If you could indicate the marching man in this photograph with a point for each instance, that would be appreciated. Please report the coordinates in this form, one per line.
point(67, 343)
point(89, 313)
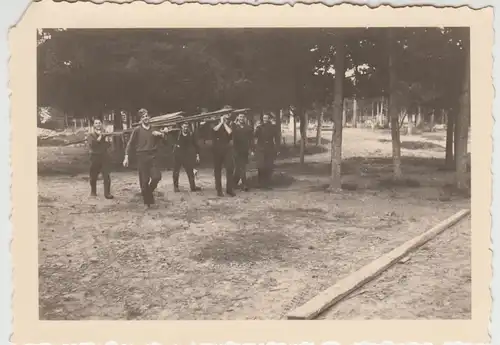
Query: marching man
point(268, 144)
point(144, 142)
point(186, 153)
point(222, 150)
point(243, 146)
point(99, 159)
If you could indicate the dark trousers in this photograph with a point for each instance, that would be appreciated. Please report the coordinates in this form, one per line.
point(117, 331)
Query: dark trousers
point(99, 164)
point(184, 160)
point(149, 175)
point(223, 159)
point(240, 168)
point(265, 165)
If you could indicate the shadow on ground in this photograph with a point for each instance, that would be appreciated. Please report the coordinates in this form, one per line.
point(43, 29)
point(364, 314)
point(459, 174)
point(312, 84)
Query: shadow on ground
point(244, 248)
point(377, 174)
point(278, 180)
point(367, 166)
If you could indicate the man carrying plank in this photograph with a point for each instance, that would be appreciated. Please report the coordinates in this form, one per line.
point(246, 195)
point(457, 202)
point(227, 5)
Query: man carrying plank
point(186, 153)
point(222, 153)
point(99, 159)
point(144, 142)
point(243, 145)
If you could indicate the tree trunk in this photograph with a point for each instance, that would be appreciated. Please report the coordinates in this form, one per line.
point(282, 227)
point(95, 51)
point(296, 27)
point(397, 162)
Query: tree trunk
point(411, 126)
point(379, 112)
point(344, 115)
point(303, 135)
point(462, 128)
point(393, 111)
point(354, 113)
point(294, 130)
point(450, 130)
point(456, 134)
point(318, 129)
point(419, 117)
point(433, 119)
point(117, 142)
point(279, 116)
point(130, 119)
point(117, 120)
point(338, 105)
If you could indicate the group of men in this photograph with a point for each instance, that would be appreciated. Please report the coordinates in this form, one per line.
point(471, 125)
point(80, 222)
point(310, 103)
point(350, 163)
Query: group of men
point(232, 145)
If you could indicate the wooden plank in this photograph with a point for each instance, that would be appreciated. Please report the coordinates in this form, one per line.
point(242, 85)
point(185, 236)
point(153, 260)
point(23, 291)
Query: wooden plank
point(163, 117)
point(174, 119)
point(344, 287)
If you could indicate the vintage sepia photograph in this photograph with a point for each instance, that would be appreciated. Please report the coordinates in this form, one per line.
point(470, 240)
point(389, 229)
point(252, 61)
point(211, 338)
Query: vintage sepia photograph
point(254, 173)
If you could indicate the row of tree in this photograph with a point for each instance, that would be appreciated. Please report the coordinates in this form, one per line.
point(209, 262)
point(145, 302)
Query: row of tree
point(85, 72)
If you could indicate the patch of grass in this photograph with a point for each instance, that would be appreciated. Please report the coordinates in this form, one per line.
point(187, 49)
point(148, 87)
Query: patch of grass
point(278, 180)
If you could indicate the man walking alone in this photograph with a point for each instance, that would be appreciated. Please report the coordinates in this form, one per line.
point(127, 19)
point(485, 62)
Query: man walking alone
point(144, 142)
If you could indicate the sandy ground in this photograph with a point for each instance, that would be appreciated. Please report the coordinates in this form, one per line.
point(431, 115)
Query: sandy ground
point(255, 256)
point(436, 282)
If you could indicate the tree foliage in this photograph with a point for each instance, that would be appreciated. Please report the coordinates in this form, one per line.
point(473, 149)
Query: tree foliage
point(267, 69)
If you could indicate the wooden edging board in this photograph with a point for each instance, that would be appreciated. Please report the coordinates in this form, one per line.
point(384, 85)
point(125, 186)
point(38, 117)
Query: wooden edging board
point(344, 287)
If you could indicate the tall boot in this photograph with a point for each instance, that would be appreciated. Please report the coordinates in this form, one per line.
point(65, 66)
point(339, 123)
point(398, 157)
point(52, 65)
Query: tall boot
point(192, 183)
point(229, 184)
point(148, 197)
point(107, 189)
point(175, 178)
point(218, 181)
point(93, 187)
point(151, 188)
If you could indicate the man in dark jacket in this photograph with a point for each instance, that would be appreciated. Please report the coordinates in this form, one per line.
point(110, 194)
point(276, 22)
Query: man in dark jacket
point(186, 154)
point(99, 159)
point(267, 148)
point(223, 157)
point(243, 146)
point(144, 141)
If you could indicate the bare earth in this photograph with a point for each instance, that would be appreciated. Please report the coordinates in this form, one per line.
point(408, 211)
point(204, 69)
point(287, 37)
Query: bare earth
point(260, 254)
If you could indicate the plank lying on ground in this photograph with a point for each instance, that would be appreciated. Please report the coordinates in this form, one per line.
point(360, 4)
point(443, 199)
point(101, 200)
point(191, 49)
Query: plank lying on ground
point(344, 287)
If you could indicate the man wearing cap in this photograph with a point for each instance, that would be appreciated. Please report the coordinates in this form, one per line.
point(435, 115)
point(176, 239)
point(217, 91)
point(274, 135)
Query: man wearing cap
point(222, 153)
point(243, 145)
point(186, 153)
point(267, 147)
point(144, 141)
